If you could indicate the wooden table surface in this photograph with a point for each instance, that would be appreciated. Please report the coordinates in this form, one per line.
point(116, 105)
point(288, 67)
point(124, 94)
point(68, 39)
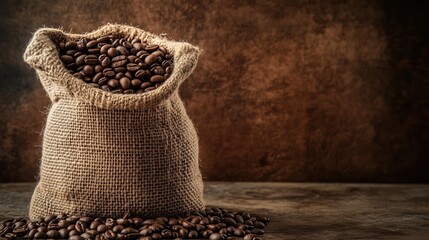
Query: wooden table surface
point(302, 210)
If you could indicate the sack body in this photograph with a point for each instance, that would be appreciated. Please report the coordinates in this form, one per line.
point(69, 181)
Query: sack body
point(106, 154)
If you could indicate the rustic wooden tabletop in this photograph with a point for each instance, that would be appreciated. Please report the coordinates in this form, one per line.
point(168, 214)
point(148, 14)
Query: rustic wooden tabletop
point(302, 210)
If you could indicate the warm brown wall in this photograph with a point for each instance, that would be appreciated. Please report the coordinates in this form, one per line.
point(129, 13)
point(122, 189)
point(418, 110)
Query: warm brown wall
point(284, 91)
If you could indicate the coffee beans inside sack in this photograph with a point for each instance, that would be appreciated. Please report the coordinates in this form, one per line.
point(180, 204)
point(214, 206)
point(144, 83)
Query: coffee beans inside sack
point(117, 138)
point(119, 65)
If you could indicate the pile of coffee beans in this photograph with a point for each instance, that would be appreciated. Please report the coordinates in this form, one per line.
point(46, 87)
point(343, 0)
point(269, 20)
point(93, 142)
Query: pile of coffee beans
point(212, 223)
point(117, 64)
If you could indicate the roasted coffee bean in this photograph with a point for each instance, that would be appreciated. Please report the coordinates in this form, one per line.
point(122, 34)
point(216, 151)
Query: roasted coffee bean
point(216, 236)
point(258, 224)
point(52, 234)
point(250, 236)
point(151, 48)
point(125, 83)
point(257, 231)
point(92, 44)
point(239, 232)
point(155, 78)
point(156, 236)
point(183, 232)
point(40, 235)
point(118, 228)
point(67, 59)
point(146, 232)
point(140, 74)
point(193, 234)
point(64, 233)
point(132, 67)
point(151, 59)
point(103, 39)
point(70, 45)
point(122, 50)
point(34, 231)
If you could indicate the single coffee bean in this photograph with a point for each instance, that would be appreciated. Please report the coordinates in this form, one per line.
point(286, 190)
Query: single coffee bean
point(149, 60)
point(70, 45)
point(80, 60)
point(183, 232)
point(146, 232)
point(119, 63)
point(88, 70)
point(151, 48)
point(95, 79)
point(132, 67)
point(238, 218)
point(145, 238)
point(118, 228)
point(91, 59)
point(216, 236)
point(40, 235)
point(228, 220)
point(156, 236)
point(259, 225)
point(140, 74)
point(67, 59)
point(249, 236)
point(32, 233)
point(122, 50)
point(193, 234)
point(257, 231)
point(52, 234)
point(125, 83)
point(120, 69)
point(155, 78)
point(166, 233)
point(239, 232)
point(64, 233)
point(103, 39)
point(112, 52)
point(92, 44)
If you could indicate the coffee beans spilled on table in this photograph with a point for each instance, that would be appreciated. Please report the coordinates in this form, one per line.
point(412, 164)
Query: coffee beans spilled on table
point(212, 223)
point(117, 64)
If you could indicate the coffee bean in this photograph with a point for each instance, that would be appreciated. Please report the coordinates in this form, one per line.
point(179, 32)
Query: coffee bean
point(103, 39)
point(120, 69)
point(156, 236)
point(125, 83)
point(140, 74)
point(40, 235)
point(259, 224)
point(149, 60)
point(151, 48)
point(110, 234)
point(67, 59)
point(70, 45)
point(157, 79)
point(238, 218)
point(109, 73)
point(64, 233)
point(88, 70)
point(132, 67)
point(52, 234)
point(193, 234)
point(249, 236)
point(216, 236)
point(119, 63)
point(122, 50)
point(92, 44)
point(146, 232)
point(80, 60)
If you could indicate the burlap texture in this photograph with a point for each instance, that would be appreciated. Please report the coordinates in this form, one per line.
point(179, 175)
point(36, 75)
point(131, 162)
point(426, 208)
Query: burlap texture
point(108, 154)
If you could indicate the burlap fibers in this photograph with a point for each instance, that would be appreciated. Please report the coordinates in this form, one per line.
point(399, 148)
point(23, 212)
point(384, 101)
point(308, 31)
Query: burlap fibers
point(108, 154)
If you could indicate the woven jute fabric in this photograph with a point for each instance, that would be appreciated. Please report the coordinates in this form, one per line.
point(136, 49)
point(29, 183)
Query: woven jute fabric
point(110, 154)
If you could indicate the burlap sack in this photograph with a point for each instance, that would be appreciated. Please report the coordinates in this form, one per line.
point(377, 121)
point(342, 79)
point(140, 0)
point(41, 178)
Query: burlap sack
point(108, 154)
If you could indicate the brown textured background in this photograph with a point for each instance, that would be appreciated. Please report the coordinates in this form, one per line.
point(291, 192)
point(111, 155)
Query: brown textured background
point(284, 91)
